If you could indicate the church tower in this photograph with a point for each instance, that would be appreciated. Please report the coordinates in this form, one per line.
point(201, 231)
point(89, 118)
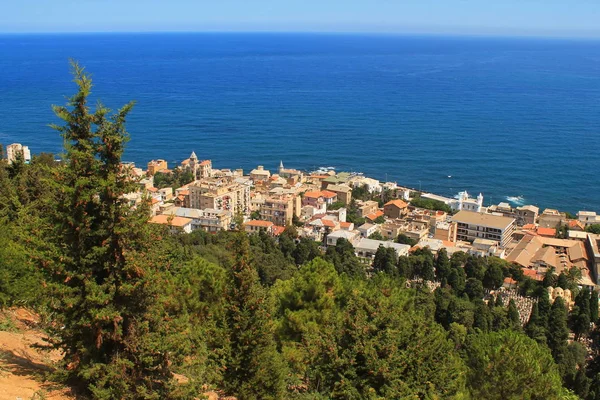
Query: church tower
point(194, 164)
point(281, 167)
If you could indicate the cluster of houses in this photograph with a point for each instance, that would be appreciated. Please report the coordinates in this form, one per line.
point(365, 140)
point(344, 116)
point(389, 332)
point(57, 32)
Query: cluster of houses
point(318, 204)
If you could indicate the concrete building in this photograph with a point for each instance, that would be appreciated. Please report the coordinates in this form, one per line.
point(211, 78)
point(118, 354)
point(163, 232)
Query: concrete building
point(526, 215)
point(367, 229)
point(395, 209)
point(176, 224)
point(155, 166)
point(466, 203)
point(220, 194)
point(260, 174)
point(209, 220)
point(318, 198)
point(281, 209)
point(333, 237)
point(343, 192)
point(367, 248)
point(551, 218)
point(474, 225)
point(13, 151)
point(446, 231)
point(255, 226)
point(588, 218)
point(367, 207)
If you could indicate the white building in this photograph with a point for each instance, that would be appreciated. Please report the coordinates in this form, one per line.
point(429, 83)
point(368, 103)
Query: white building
point(16, 149)
point(466, 203)
point(588, 217)
point(368, 247)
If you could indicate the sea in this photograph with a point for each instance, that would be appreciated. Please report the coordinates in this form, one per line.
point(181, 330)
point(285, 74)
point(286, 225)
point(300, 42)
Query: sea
point(517, 119)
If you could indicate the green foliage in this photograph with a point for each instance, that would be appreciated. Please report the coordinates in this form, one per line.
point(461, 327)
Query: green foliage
point(403, 239)
point(255, 369)
point(508, 365)
point(102, 281)
point(376, 236)
point(593, 228)
point(430, 204)
point(379, 220)
point(385, 260)
point(174, 179)
point(336, 206)
point(343, 258)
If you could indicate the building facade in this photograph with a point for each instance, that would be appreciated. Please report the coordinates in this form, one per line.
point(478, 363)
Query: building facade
point(473, 225)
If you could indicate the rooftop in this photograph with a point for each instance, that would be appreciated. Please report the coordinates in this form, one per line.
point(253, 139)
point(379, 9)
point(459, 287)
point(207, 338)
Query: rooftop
point(171, 220)
point(483, 219)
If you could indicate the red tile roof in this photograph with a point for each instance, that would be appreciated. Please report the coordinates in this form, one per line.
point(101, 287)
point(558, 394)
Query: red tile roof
point(327, 194)
point(260, 223)
point(529, 226)
point(345, 224)
point(329, 223)
point(375, 215)
point(546, 232)
point(398, 203)
point(170, 220)
point(278, 230)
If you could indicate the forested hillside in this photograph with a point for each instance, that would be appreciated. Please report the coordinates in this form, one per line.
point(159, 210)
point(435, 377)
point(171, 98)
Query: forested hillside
point(130, 304)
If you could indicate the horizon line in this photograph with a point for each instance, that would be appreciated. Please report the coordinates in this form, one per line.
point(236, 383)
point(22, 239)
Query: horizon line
point(309, 32)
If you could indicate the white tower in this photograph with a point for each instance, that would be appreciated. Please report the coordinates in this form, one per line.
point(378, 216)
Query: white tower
point(479, 202)
point(281, 167)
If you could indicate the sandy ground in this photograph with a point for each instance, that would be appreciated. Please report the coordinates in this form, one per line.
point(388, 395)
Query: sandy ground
point(22, 366)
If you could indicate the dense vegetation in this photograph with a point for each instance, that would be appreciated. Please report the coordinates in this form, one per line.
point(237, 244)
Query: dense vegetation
point(130, 305)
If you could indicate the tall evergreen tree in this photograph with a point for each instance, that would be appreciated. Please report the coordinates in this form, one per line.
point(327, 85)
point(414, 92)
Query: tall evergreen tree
point(513, 315)
point(580, 317)
point(256, 370)
point(534, 328)
point(558, 332)
point(442, 265)
point(103, 286)
point(594, 306)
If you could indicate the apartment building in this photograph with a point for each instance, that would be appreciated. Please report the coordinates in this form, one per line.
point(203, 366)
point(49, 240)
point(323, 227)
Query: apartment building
point(155, 166)
point(474, 225)
point(220, 194)
point(280, 209)
point(15, 150)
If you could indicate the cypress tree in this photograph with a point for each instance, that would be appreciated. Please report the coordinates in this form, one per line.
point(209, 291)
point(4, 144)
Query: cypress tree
point(513, 315)
point(534, 329)
point(594, 306)
point(499, 302)
point(581, 314)
point(557, 333)
point(103, 286)
point(442, 265)
point(544, 307)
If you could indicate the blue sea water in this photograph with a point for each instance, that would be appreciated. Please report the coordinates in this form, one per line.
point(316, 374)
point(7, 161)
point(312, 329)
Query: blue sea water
point(506, 117)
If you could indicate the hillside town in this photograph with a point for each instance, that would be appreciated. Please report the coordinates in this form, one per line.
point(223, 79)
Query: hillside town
point(327, 206)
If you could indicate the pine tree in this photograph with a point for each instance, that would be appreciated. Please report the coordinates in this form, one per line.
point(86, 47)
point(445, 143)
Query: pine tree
point(103, 287)
point(255, 370)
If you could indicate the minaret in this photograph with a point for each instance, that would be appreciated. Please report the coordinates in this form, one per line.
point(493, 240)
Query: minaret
point(479, 202)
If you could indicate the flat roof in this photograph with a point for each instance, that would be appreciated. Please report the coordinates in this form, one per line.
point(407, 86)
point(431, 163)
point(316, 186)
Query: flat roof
point(483, 219)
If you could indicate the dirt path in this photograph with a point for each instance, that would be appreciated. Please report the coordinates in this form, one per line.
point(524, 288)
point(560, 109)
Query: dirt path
point(22, 366)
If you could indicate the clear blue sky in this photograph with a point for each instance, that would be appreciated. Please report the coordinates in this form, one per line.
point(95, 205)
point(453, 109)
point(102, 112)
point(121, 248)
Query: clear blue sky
point(488, 17)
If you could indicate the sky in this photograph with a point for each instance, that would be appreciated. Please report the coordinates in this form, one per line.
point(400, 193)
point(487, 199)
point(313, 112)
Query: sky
point(562, 18)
